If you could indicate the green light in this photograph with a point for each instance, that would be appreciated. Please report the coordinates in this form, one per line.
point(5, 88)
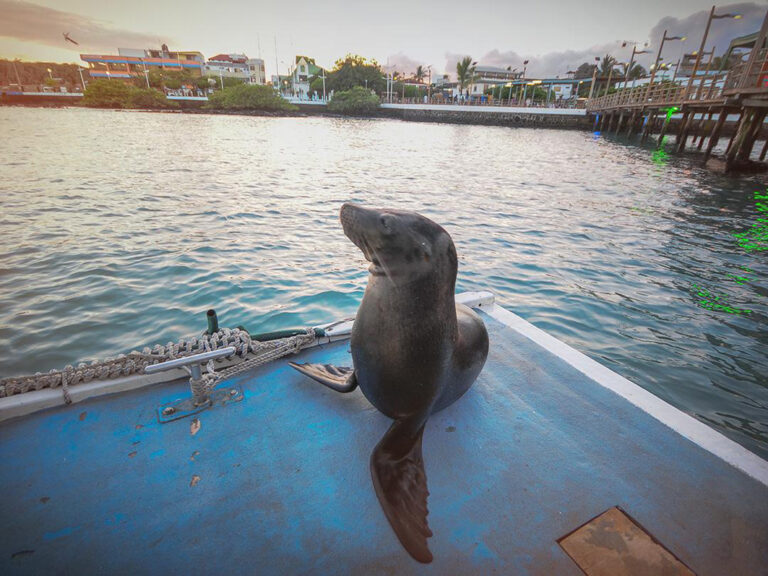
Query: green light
point(660, 156)
point(671, 111)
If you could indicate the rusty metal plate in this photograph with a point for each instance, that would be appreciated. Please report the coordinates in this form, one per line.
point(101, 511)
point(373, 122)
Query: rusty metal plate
point(615, 545)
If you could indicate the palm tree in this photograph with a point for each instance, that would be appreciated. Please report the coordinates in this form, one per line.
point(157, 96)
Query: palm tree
point(636, 72)
point(419, 76)
point(465, 72)
point(606, 65)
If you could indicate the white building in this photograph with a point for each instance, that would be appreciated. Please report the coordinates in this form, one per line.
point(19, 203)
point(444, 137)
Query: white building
point(489, 77)
point(249, 70)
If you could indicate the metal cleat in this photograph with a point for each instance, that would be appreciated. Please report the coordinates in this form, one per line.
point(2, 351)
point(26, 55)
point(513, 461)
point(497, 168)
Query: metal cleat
point(202, 398)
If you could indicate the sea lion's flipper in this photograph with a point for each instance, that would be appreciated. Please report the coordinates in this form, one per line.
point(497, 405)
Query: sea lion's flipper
point(341, 378)
point(397, 469)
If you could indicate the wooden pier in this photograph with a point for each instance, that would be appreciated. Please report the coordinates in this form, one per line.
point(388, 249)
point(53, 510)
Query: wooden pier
point(732, 103)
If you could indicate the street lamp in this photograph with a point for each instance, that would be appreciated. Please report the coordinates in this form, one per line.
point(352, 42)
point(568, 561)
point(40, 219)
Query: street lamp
point(635, 51)
point(664, 38)
point(594, 78)
point(80, 69)
point(712, 16)
point(510, 86)
point(610, 75)
point(50, 74)
point(429, 86)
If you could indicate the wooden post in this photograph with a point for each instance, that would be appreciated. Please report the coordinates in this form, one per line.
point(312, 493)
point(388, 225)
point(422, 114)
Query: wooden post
point(715, 134)
point(751, 136)
point(734, 147)
point(649, 123)
point(618, 124)
point(631, 123)
point(664, 126)
point(765, 149)
point(702, 129)
point(682, 133)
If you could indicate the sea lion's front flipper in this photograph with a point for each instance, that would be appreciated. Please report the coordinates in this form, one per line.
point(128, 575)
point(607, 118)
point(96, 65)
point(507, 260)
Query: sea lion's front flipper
point(397, 469)
point(341, 379)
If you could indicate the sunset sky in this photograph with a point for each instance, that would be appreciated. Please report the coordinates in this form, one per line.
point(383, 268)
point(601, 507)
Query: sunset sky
point(555, 36)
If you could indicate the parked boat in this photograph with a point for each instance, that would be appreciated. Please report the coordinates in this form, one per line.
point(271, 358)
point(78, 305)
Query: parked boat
point(550, 464)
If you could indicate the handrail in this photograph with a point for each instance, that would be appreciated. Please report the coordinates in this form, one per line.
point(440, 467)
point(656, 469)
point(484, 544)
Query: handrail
point(710, 88)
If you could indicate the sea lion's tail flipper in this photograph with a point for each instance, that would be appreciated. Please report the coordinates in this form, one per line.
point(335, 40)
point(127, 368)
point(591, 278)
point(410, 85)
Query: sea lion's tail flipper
point(397, 469)
point(341, 379)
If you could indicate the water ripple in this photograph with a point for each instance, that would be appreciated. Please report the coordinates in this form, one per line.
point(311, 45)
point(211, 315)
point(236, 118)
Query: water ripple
point(121, 230)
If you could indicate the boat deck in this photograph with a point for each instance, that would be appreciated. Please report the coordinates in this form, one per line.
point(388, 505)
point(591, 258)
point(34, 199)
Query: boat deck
point(279, 483)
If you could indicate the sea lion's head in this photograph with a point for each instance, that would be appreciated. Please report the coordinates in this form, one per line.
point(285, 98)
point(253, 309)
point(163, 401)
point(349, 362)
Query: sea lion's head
point(403, 246)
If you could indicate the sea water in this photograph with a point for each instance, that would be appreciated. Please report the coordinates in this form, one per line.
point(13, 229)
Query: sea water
point(120, 229)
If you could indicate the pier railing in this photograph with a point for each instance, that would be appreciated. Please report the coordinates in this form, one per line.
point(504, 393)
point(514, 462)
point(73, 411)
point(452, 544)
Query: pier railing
point(706, 89)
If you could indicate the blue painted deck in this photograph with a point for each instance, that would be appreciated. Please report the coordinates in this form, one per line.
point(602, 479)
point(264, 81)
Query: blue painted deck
point(532, 452)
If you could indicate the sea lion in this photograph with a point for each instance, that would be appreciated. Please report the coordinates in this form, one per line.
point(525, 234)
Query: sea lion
point(415, 351)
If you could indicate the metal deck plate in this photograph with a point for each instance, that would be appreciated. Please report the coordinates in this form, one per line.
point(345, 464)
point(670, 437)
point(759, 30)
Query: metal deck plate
point(614, 545)
point(184, 407)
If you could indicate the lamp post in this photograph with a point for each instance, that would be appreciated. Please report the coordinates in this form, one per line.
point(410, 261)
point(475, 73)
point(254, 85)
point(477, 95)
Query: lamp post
point(50, 74)
point(610, 75)
point(323, 84)
point(712, 16)
point(510, 86)
point(429, 86)
point(80, 69)
point(594, 78)
point(664, 38)
point(635, 51)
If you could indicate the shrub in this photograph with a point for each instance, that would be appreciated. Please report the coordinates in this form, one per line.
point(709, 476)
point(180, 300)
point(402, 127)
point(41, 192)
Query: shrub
point(248, 97)
point(104, 93)
point(149, 98)
point(115, 94)
point(357, 100)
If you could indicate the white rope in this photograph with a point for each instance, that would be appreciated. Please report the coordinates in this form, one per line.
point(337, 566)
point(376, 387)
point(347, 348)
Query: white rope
point(252, 352)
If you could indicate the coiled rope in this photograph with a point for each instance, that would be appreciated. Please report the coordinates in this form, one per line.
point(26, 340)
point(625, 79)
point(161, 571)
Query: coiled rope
point(252, 353)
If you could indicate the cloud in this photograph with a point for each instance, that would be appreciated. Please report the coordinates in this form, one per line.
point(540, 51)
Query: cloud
point(721, 32)
point(30, 22)
point(554, 64)
point(401, 63)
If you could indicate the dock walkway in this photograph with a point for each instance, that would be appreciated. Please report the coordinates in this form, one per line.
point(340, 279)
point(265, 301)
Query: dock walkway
point(704, 103)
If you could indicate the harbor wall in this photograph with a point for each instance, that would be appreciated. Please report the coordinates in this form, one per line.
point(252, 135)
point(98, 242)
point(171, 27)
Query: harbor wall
point(489, 116)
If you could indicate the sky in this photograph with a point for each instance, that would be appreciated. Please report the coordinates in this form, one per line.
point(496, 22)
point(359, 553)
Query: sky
point(555, 36)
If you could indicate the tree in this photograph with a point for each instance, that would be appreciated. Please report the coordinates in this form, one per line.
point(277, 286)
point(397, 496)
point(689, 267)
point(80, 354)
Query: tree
point(248, 97)
point(149, 98)
point(355, 101)
point(636, 72)
point(105, 93)
point(316, 85)
point(35, 73)
point(354, 70)
point(420, 73)
point(585, 70)
point(465, 72)
point(606, 65)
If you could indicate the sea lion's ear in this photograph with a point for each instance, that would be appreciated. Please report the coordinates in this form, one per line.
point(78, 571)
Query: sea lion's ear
point(387, 224)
